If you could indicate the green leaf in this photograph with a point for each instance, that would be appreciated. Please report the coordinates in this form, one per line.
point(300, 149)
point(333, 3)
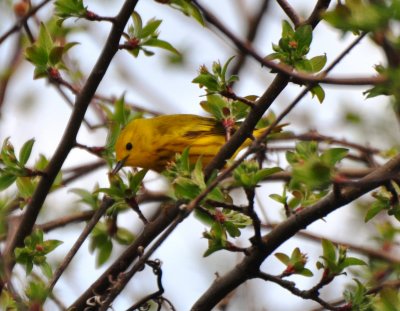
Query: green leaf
point(124, 236)
point(352, 261)
point(303, 36)
point(25, 186)
point(69, 8)
point(232, 229)
point(136, 181)
point(25, 152)
point(137, 24)
point(37, 291)
point(303, 65)
point(150, 28)
point(161, 44)
point(333, 155)
point(37, 55)
point(46, 269)
point(287, 29)
point(264, 173)
point(319, 92)
point(329, 250)
point(44, 39)
point(6, 180)
point(278, 198)
point(104, 252)
point(55, 55)
point(50, 245)
point(318, 63)
point(207, 80)
point(305, 272)
point(285, 259)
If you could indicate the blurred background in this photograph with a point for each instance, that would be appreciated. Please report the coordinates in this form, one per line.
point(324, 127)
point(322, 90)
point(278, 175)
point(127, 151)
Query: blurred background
point(31, 108)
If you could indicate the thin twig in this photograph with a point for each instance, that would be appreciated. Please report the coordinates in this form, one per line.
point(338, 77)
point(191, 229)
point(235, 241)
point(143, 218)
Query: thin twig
point(67, 142)
point(290, 12)
point(297, 77)
point(106, 203)
point(21, 22)
point(290, 286)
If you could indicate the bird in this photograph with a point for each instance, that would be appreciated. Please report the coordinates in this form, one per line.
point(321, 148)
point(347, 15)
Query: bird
point(154, 142)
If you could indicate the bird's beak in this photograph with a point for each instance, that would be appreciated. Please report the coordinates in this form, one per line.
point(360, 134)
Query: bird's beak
point(119, 165)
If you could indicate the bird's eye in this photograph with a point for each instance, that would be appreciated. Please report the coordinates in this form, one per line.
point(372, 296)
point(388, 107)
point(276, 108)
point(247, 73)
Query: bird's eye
point(128, 146)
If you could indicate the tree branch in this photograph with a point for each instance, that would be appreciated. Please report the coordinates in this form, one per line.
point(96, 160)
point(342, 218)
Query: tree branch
point(68, 140)
point(248, 268)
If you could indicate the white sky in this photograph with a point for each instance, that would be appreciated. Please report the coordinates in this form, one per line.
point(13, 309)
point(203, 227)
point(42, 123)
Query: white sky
point(32, 109)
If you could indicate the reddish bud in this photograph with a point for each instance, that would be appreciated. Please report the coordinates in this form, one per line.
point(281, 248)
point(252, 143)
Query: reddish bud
point(203, 69)
point(90, 15)
point(39, 248)
point(338, 178)
point(387, 246)
point(133, 42)
point(54, 73)
point(219, 216)
point(293, 44)
point(299, 209)
point(21, 8)
point(289, 270)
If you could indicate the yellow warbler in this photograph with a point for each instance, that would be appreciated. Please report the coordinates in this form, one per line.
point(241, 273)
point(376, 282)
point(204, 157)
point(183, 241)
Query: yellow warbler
point(153, 143)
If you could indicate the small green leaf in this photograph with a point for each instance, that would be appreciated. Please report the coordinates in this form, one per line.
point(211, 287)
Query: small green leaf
point(318, 62)
point(150, 28)
point(37, 55)
point(25, 186)
point(25, 152)
point(319, 92)
point(161, 44)
point(303, 36)
point(44, 39)
point(104, 252)
point(329, 250)
point(6, 180)
point(124, 236)
point(287, 29)
point(55, 55)
point(305, 272)
point(46, 269)
point(333, 155)
point(137, 24)
point(285, 259)
point(136, 181)
point(352, 261)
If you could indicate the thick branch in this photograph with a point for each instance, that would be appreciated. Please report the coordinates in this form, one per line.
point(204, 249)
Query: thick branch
point(68, 140)
point(249, 266)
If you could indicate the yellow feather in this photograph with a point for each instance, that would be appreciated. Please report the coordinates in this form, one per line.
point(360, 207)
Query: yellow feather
point(153, 143)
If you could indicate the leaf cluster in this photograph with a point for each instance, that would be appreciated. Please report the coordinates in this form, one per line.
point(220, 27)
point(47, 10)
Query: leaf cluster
point(187, 182)
point(335, 259)
point(292, 50)
point(34, 252)
point(140, 37)
point(248, 174)
point(295, 264)
point(186, 7)
point(216, 80)
point(65, 9)
point(312, 171)
point(46, 55)
point(385, 200)
point(357, 16)
point(14, 170)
